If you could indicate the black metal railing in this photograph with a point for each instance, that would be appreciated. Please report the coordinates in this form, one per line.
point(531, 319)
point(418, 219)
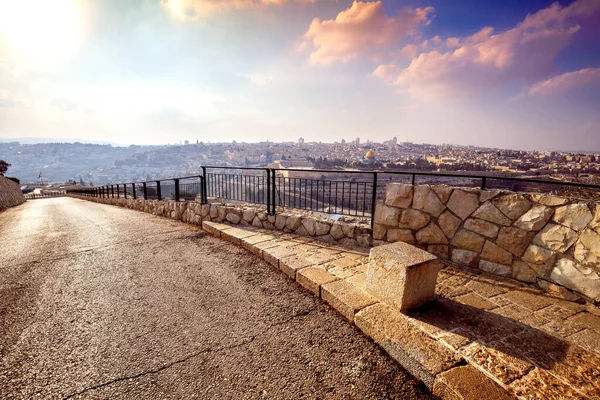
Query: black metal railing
point(352, 193)
point(46, 194)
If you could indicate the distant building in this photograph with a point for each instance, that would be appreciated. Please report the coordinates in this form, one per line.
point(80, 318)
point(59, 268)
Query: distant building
point(343, 141)
point(395, 140)
point(357, 141)
point(187, 142)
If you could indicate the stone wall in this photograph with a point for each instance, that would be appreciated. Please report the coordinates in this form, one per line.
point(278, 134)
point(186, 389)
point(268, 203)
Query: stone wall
point(549, 241)
point(298, 222)
point(10, 193)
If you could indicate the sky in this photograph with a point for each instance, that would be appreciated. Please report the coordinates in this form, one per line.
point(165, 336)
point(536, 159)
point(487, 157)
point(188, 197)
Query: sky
point(509, 73)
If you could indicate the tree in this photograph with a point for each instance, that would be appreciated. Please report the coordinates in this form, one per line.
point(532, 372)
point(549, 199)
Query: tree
point(3, 167)
point(81, 181)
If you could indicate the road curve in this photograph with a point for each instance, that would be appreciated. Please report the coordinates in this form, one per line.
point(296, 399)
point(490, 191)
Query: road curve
point(100, 302)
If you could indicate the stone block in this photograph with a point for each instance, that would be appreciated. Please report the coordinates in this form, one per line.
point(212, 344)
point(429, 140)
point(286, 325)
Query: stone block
point(535, 219)
point(587, 249)
point(441, 251)
point(272, 255)
point(522, 271)
point(494, 253)
point(555, 237)
point(233, 218)
point(557, 291)
point(503, 367)
point(290, 265)
point(482, 227)
point(214, 228)
point(443, 192)
point(312, 278)
point(400, 235)
point(449, 223)
point(576, 277)
point(402, 275)
point(465, 239)
point(574, 216)
point(486, 195)
point(415, 350)
point(547, 200)
point(467, 383)
point(413, 219)
point(387, 216)
point(538, 255)
point(346, 298)
point(433, 205)
point(514, 240)
point(322, 228)
point(465, 257)
point(512, 205)
point(463, 203)
point(235, 235)
point(488, 212)
point(420, 194)
point(431, 234)
point(336, 231)
point(379, 232)
point(398, 195)
point(495, 268)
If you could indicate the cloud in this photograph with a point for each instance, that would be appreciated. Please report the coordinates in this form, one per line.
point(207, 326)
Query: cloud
point(196, 9)
point(567, 81)
point(8, 100)
point(362, 28)
point(487, 60)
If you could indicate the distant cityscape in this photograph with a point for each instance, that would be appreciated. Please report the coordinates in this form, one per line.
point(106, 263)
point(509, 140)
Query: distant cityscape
point(93, 164)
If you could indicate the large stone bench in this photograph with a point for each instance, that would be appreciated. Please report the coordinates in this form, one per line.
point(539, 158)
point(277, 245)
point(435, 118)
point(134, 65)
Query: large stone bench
point(402, 275)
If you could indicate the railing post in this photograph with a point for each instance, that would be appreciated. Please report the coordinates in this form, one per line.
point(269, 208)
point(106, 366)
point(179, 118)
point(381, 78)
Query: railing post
point(413, 180)
point(125, 190)
point(483, 181)
point(273, 202)
point(374, 200)
point(158, 193)
point(145, 191)
point(176, 189)
point(134, 193)
point(268, 191)
point(204, 187)
point(118, 193)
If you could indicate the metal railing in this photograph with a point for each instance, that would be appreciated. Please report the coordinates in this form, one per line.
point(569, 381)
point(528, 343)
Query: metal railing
point(351, 193)
point(46, 194)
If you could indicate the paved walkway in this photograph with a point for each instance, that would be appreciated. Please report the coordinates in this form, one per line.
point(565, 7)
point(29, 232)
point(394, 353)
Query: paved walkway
point(101, 302)
point(511, 337)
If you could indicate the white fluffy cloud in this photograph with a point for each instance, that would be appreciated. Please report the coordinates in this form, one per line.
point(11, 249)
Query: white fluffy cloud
point(486, 60)
point(195, 9)
point(362, 28)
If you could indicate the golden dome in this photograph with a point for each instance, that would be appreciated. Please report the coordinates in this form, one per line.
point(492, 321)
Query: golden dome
point(370, 155)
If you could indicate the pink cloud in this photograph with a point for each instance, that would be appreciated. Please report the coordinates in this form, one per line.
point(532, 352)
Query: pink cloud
point(362, 28)
point(567, 81)
point(487, 60)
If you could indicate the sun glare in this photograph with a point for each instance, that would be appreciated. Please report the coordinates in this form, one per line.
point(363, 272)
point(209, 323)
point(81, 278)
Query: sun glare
point(44, 31)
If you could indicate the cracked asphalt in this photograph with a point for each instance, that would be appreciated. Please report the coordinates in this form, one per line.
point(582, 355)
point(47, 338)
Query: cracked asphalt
point(100, 302)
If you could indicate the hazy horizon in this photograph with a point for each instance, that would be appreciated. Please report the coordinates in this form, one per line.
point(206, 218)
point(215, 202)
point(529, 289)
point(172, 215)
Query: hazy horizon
point(507, 74)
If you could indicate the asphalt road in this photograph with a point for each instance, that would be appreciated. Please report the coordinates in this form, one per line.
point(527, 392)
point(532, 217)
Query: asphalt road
point(101, 302)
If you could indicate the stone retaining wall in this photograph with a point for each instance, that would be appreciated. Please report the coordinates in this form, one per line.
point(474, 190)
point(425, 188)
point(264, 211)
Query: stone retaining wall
point(299, 223)
point(10, 193)
point(549, 241)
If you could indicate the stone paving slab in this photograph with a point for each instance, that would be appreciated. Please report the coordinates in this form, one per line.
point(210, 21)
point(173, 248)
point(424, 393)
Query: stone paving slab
point(500, 335)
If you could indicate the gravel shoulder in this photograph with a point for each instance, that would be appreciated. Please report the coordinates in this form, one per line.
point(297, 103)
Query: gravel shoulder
point(100, 302)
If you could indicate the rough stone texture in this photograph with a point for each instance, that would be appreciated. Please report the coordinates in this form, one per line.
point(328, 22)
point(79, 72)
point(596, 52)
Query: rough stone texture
point(547, 200)
point(465, 257)
point(512, 205)
point(488, 212)
point(494, 253)
point(400, 235)
point(467, 383)
point(574, 216)
point(503, 367)
point(336, 231)
point(321, 228)
point(463, 203)
point(420, 195)
point(10, 193)
point(555, 237)
point(290, 265)
point(556, 290)
point(488, 195)
point(413, 219)
point(538, 255)
point(441, 251)
point(514, 240)
point(465, 239)
point(576, 277)
point(449, 223)
point(346, 298)
point(433, 205)
point(379, 231)
point(402, 275)
point(387, 215)
point(420, 354)
point(293, 222)
point(523, 272)
point(587, 249)
point(495, 268)
point(534, 219)
point(431, 234)
point(233, 218)
point(482, 227)
point(443, 192)
point(398, 195)
point(312, 278)
point(595, 222)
